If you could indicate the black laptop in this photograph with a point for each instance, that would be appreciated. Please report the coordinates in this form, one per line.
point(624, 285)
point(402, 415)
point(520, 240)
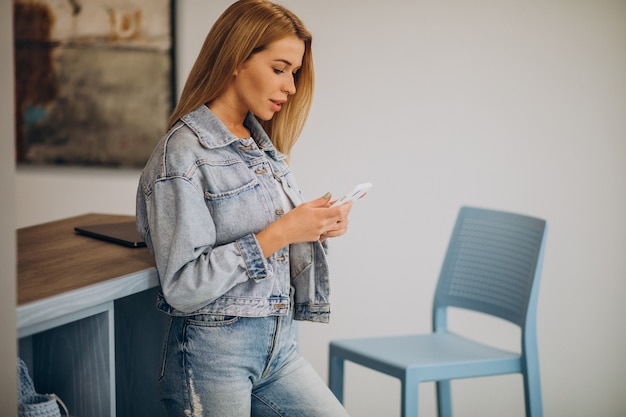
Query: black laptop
point(124, 233)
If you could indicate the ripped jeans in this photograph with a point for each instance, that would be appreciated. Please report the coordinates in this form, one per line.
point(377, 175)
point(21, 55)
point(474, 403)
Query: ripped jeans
point(224, 366)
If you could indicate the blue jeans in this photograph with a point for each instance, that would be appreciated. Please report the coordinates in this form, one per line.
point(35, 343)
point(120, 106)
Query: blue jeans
point(224, 366)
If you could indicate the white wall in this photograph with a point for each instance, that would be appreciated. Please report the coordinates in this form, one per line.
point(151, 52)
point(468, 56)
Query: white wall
point(8, 348)
point(517, 105)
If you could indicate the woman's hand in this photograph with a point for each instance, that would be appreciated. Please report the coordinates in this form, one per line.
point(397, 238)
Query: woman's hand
point(310, 221)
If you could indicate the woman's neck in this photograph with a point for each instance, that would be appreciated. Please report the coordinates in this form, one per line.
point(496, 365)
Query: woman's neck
point(231, 117)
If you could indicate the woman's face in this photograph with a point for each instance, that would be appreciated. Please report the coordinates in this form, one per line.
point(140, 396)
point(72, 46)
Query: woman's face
point(264, 82)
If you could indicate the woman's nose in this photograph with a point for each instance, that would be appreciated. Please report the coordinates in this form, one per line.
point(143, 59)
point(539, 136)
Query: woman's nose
point(290, 86)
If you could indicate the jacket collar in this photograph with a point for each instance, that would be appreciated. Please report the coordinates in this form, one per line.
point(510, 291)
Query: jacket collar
point(212, 133)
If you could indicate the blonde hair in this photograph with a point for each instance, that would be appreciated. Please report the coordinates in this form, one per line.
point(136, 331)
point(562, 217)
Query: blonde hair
point(245, 28)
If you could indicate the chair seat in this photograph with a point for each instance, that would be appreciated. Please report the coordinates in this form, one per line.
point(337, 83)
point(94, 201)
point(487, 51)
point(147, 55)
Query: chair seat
point(430, 357)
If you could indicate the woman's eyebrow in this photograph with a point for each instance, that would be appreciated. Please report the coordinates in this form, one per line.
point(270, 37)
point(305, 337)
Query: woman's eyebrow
point(283, 61)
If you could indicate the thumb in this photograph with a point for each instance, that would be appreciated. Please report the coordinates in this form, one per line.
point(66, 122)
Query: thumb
point(322, 201)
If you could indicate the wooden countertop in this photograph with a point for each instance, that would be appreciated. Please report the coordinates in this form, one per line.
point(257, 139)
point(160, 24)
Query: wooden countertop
point(52, 259)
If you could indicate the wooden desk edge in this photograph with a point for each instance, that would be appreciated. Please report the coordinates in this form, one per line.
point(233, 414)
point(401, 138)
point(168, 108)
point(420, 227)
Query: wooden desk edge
point(35, 314)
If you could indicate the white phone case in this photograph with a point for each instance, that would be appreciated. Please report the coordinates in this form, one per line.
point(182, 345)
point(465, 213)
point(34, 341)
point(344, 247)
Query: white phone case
point(355, 194)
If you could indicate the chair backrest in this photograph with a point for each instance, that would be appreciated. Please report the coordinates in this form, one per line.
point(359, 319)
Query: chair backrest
point(492, 265)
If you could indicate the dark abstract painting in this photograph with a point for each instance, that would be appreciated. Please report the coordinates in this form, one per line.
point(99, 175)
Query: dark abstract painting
point(94, 80)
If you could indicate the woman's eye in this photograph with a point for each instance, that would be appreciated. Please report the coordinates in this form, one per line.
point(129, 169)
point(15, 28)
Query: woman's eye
point(278, 71)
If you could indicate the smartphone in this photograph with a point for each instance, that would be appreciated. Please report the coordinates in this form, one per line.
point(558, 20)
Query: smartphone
point(358, 192)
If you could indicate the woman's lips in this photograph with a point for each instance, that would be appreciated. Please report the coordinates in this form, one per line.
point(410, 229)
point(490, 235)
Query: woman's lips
point(277, 104)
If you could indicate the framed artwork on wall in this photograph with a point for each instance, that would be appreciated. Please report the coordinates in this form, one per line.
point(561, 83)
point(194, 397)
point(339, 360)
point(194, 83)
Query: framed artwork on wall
point(94, 80)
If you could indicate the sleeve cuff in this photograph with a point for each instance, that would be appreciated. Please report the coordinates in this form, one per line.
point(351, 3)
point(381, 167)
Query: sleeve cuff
point(256, 265)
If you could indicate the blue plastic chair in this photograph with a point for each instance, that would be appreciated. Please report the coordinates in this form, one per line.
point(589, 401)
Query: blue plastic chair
point(493, 266)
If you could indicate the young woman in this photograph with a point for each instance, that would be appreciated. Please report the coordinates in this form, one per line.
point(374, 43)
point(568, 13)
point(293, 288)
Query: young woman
point(239, 254)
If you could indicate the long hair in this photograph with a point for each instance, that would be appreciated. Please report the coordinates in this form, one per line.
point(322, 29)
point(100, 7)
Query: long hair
point(245, 28)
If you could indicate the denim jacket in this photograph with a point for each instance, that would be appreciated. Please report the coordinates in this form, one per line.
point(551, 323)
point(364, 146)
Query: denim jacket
point(202, 197)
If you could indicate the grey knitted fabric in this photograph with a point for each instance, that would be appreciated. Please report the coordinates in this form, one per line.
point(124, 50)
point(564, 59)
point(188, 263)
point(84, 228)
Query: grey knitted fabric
point(31, 404)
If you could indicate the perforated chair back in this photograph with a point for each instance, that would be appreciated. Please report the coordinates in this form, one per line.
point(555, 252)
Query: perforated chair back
point(492, 265)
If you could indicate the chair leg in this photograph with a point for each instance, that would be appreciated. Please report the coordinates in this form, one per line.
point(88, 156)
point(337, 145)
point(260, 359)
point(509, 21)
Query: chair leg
point(532, 393)
point(335, 376)
point(410, 392)
point(444, 402)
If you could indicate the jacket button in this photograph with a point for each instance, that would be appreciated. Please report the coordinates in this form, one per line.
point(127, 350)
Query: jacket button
point(280, 212)
point(280, 306)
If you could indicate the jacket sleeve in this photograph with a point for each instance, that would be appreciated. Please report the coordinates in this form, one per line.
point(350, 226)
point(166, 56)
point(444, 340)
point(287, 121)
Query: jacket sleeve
point(193, 270)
